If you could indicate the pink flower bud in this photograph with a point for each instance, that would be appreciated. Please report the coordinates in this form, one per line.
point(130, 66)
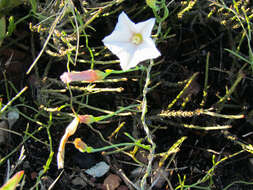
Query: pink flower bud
point(88, 75)
point(86, 119)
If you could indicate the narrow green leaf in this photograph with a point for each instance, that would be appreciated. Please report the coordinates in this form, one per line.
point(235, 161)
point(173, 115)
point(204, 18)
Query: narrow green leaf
point(2, 29)
point(239, 56)
point(13, 182)
point(34, 5)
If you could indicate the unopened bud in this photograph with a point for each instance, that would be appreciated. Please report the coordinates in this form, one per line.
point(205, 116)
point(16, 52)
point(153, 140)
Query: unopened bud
point(88, 75)
point(86, 119)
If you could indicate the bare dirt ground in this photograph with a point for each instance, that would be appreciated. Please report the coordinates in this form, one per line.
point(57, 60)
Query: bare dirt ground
point(198, 91)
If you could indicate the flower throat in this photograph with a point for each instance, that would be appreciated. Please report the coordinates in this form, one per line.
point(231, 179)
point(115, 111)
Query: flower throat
point(136, 38)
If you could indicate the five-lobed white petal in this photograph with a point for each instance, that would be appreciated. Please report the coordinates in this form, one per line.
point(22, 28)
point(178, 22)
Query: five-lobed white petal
point(132, 43)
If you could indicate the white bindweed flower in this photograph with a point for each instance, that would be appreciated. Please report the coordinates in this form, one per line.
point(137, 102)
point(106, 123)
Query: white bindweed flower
point(132, 43)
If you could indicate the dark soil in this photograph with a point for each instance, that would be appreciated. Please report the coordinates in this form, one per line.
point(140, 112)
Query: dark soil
point(193, 39)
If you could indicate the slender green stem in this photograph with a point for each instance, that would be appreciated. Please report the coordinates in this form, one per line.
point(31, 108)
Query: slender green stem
point(119, 145)
point(145, 127)
point(13, 99)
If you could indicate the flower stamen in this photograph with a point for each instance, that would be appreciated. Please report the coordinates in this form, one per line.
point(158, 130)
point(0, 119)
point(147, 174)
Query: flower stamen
point(136, 38)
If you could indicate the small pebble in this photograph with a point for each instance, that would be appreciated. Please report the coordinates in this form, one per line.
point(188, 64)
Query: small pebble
point(98, 170)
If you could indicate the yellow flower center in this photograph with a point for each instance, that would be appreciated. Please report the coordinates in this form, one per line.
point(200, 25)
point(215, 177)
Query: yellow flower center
point(136, 39)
